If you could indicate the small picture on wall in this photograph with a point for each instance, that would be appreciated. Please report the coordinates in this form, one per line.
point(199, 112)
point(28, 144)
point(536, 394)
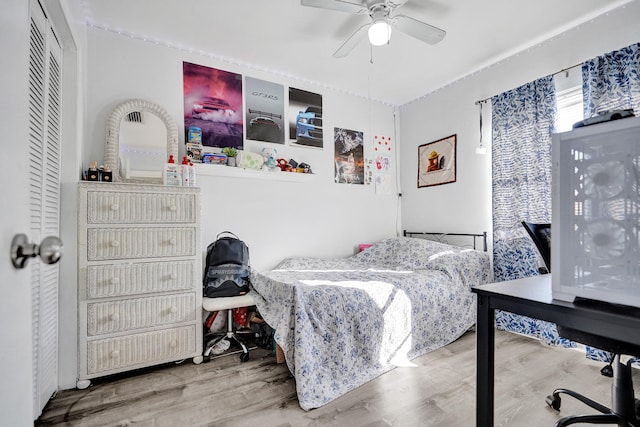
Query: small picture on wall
point(437, 162)
point(212, 106)
point(264, 110)
point(305, 118)
point(349, 156)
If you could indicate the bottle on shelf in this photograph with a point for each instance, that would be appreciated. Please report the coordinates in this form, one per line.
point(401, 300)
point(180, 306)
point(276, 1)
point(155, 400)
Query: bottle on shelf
point(171, 175)
point(192, 175)
point(184, 172)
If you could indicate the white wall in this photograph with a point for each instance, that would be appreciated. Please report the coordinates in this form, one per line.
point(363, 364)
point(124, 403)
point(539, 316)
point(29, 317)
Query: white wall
point(466, 204)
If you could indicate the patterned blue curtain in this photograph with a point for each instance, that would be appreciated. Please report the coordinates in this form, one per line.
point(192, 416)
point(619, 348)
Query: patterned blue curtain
point(612, 81)
point(523, 121)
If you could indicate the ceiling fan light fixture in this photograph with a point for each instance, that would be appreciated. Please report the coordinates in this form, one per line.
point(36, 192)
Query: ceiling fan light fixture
point(379, 33)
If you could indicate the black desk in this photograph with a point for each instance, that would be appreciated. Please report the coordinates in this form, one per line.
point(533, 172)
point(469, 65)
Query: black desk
point(531, 297)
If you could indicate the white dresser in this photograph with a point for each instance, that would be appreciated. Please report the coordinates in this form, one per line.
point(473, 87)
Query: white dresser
point(139, 277)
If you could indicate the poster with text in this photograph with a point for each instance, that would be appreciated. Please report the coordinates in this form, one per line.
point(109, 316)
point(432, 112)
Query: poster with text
point(305, 118)
point(212, 106)
point(264, 110)
point(349, 156)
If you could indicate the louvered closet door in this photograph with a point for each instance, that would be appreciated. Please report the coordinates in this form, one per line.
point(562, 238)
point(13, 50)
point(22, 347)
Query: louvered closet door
point(45, 59)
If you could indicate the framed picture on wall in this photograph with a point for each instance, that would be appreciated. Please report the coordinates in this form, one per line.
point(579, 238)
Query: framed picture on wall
point(437, 162)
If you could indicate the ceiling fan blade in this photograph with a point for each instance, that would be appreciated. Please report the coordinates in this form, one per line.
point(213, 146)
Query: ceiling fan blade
point(418, 29)
point(351, 42)
point(339, 5)
point(394, 4)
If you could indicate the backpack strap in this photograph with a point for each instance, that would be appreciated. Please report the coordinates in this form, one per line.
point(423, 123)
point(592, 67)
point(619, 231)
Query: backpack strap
point(226, 232)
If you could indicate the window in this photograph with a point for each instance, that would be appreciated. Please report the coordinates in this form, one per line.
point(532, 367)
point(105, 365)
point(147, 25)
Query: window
point(568, 98)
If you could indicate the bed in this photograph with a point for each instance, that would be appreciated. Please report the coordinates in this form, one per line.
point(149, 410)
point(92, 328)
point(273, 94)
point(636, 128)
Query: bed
point(342, 322)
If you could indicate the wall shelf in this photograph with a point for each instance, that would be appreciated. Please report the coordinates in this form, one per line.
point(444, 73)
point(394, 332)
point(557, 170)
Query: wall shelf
point(235, 172)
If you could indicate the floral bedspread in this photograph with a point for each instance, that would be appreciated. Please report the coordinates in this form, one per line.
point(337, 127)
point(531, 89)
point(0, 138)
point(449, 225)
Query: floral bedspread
point(343, 322)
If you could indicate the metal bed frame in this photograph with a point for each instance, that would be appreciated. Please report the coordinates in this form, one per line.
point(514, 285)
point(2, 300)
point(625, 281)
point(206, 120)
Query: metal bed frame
point(442, 237)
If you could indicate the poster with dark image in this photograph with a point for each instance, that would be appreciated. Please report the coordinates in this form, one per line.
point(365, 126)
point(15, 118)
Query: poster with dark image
point(264, 112)
point(349, 156)
point(305, 118)
point(212, 106)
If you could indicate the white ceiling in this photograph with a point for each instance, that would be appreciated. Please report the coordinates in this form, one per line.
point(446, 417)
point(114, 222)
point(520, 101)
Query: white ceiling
point(284, 38)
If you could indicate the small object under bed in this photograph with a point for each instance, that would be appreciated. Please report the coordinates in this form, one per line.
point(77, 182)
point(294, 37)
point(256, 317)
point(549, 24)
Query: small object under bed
point(342, 322)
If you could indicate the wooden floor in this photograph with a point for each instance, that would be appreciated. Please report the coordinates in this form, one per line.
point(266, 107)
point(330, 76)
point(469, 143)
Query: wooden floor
point(438, 391)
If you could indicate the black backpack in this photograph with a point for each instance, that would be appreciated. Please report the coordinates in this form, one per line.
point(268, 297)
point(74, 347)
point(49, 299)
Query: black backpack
point(227, 270)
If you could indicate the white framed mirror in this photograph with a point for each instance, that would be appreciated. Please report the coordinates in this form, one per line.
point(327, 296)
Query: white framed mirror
point(141, 136)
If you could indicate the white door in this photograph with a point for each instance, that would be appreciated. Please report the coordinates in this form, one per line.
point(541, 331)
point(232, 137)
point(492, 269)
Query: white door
point(29, 196)
point(44, 139)
point(16, 396)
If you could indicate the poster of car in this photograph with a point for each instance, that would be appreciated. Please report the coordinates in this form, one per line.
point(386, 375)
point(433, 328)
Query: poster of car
point(349, 156)
point(305, 118)
point(212, 106)
point(264, 114)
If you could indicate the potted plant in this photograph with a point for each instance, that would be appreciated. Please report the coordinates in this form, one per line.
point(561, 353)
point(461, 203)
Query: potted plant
point(231, 153)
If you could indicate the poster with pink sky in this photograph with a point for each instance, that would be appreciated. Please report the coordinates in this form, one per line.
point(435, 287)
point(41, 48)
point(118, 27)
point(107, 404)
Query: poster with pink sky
point(213, 105)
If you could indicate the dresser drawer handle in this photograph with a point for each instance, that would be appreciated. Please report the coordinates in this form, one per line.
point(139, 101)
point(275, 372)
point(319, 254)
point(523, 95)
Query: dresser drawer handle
point(173, 208)
point(115, 207)
point(115, 317)
point(173, 309)
point(115, 243)
point(173, 344)
point(114, 281)
point(115, 354)
point(172, 241)
point(173, 276)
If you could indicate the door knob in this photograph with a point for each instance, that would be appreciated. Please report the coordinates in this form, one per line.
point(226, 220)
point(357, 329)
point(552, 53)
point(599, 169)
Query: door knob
point(50, 250)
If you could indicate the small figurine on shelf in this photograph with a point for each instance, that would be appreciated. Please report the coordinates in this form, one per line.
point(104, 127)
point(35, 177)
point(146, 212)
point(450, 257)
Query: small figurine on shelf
point(306, 168)
point(284, 165)
point(270, 163)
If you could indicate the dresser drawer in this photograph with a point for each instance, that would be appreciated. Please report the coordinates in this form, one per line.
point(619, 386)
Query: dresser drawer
point(136, 313)
point(109, 280)
point(112, 207)
point(126, 243)
point(114, 354)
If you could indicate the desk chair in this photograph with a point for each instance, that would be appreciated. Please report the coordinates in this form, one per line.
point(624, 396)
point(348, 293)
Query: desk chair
point(227, 303)
point(625, 410)
point(541, 236)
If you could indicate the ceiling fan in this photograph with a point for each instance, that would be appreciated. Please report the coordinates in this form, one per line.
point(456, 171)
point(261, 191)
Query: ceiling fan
point(379, 30)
